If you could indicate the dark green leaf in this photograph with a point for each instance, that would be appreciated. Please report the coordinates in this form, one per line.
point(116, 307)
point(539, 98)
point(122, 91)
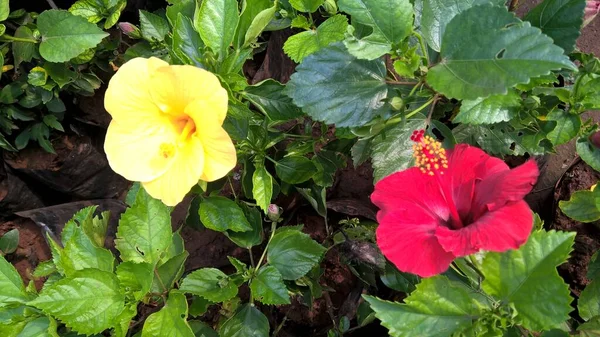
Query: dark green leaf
point(391, 22)
point(221, 214)
point(489, 110)
point(300, 45)
point(509, 52)
point(201, 329)
point(327, 163)
point(23, 51)
point(153, 27)
point(64, 35)
point(584, 206)
point(399, 281)
point(211, 284)
point(588, 303)
point(184, 7)
point(9, 241)
point(268, 287)
point(169, 272)
point(247, 322)
point(216, 20)
point(295, 169)
point(559, 19)
point(333, 86)
point(187, 44)
point(588, 152)
point(515, 277)
point(500, 138)
point(135, 278)
point(53, 122)
point(250, 238)
point(249, 12)
point(269, 98)
point(10, 93)
point(294, 253)
point(60, 73)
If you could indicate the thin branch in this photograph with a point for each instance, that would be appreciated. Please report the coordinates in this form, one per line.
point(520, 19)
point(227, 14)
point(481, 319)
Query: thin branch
point(52, 4)
point(401, 82)
point(436, 98)
point(513, 5)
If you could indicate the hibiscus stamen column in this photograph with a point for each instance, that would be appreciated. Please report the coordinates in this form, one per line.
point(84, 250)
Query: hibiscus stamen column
point(430, 158)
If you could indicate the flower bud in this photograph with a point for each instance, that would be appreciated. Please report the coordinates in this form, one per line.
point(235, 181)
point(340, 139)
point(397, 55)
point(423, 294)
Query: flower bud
point(130, 30)
point(595, 139)
point(273, 212)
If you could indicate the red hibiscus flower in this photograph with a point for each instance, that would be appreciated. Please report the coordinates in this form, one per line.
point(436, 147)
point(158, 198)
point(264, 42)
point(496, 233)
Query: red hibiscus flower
point(450, 205)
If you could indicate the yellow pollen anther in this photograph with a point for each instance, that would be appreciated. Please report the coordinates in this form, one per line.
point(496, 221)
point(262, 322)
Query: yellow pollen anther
point(429, 155)
point(167, 150)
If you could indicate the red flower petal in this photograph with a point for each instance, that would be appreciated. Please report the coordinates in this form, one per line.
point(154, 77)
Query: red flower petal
point(505, 228)
point(410, 190)
point(496, 190)
point(407, 239)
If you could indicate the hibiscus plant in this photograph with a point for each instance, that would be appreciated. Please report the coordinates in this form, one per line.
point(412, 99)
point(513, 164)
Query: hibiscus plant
point(433, 93)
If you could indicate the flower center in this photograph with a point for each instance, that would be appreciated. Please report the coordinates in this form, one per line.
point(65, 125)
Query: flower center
point(167, 150)
point(429, 154)
point(188, 129)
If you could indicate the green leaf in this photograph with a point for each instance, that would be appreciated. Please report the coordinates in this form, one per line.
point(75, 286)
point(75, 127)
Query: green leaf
point(259, 23)
point(334, 87)
point(220, 214)
point(144, 231)
point(306, 6)
point(509, 52)
point(216, 20)
point(249, 12)
point(135, 278)
point(153, 27)
point(392, 150)
point(37, 76)
point(588, 303)
point(489, 110)
point(37, 328)
point(327, 163)
point(81, 253)
point(64, 35)
point(92, 10)
point(171, 320)
point(52, 121)
point(294, 253)
point(399, 281)
point(169, 272)
point(559, 19)
point(187, 44)
point(262, 187)
point(295, 169)
point(11, 285)
point(211, 284)
point(498, 139)
point(390, 20)
point(590, 328)
point(88, 302)
point(588, 152)
point(247, 322)
point(250, 238)
point(300, 45)
point(9, 241)
point(589, 93)
point(4, 9)
point(268, 287)
point(114, 13)
point(201, 329)
point(584, 206)
point(515, 277)
point(436, 15)
point(184, 7)
point(269, 98)
point(438, 307)
point(23, 51)
point(567, 126)
point(60, 73)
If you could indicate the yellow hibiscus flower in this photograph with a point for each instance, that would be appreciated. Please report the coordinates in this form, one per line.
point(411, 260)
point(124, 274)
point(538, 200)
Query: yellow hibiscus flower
point(166, 129)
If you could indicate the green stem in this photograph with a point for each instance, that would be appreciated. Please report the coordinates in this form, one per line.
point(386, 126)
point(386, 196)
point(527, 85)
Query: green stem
point(417, 85)
point(419, 109)
point(18, 39)
point(251, 257)
point(423, 48)
point(264, 253)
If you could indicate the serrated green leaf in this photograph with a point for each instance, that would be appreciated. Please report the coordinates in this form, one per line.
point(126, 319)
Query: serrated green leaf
point(114, 13)
point(588, 152)
point(211, 284)
point(268, 287)
point(153, 27)
point(498, 139)
point(489, 110)
point(249, 12)
point(559, 19)
point(185, 8)
point(23, 51)
point(187, 44)
point(135, 278)
point(584, 206)
point(306, 6)
point(88, 301)
point(390, 20)
point(221, 214)
point(515, 277)
point(295, 169)
point(436, 15)
point(169, 272)
point(294, 253)
point(588, 303)
point(9, 241)
point(64, 35)
point(201, 329)
point(334, 87)
point(269, 98)
point(144, 231)
point(12, 289)
point(590, 328)
point(36, 328)
point(216, 21)
point(123, 321)
point(327, 163)
point(509, 52)
point(259, 23)
point(92, 10)
point(247, 322)
point(589, 93)
point(438, 307)
point(300, 45)
point(250, 238)
point(170, 320)
point(262, 187)
point(52, 121)
point(392, 150)
point(81, 253)
point(567, 126)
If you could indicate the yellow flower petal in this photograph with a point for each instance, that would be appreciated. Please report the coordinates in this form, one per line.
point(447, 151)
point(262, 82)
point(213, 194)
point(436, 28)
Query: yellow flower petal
point(185, 171)
point(219, 151)
point(127, 98)
point(175, 87)
point(140, 152)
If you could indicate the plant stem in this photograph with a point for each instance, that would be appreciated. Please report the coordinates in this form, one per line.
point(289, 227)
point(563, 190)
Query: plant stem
point(160, 281)
point(231, 186)
point(423, 48)
point(419, 109)
point(435, 100)
point(18, 39)
point(262, 257)
point(401, 82)
point(418, 85)
point(251, 257)
point(280, 326)
point(52, 4)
